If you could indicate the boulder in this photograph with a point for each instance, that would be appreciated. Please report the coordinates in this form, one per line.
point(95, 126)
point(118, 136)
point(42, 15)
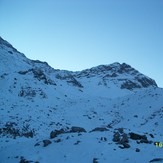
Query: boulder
point(99, 129)
point(53, 134)
point(139, 138)
point(77, 129)
point(157, 160)
point(46, 142)
point(135, 136)
point(137, 150)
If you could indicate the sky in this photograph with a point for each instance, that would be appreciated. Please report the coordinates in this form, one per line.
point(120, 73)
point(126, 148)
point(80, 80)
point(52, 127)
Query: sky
point(79, 34)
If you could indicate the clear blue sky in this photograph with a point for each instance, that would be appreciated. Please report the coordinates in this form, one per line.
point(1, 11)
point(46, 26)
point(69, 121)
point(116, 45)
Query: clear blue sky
point(79, 34)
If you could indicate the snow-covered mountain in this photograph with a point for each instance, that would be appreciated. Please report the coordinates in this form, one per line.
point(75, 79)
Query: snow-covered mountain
point(108, 113)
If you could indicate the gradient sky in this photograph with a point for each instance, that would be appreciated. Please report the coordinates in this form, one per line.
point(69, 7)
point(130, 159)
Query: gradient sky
point(79, 34)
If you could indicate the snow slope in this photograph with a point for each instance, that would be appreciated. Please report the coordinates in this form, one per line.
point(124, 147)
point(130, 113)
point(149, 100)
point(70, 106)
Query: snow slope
point(107, 104)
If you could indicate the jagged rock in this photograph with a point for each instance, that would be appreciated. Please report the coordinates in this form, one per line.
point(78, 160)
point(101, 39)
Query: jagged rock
point(38, 74)
point(130, 85)
point(124, 68)
point(145, 82)
point(29, 134)
point(27, 92)
point(112, 75)
point(11, 129)
point(53, 134)
point(46, 142)
point(116, 137)
point(121, 138)
point(70, 79)
point(75, 82)
point(77, 129)
point(124, 139)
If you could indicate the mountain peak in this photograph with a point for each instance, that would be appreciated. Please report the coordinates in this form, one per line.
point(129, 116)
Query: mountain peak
point(114, 67)
point(110, 69)
point(122, 76)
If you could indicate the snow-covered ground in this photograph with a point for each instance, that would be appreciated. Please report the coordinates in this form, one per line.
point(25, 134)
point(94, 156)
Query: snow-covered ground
point(117, 113)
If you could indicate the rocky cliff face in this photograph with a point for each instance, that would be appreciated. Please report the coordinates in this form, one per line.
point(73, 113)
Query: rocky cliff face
point(121, 74)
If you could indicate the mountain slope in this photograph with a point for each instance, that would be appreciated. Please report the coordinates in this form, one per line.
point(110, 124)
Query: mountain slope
point(94, 115)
